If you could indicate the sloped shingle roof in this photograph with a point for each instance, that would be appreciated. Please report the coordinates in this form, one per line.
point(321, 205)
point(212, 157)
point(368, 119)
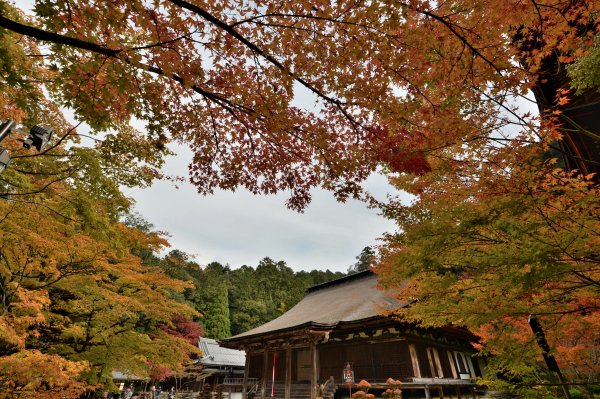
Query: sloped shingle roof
point(348, 299)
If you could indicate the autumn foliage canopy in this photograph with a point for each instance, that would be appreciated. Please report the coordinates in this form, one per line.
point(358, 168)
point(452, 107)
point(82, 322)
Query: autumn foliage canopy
point(290, 95)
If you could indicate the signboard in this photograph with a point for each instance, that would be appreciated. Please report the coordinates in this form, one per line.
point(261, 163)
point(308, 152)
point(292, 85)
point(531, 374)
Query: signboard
point(348, 374)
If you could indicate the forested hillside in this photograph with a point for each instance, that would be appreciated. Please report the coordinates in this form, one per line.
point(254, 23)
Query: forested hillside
point(232, 301)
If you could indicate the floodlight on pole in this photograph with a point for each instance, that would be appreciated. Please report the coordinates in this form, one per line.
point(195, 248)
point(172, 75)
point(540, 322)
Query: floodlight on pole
point(4, 159)
point(6, 128)
point(38, 137)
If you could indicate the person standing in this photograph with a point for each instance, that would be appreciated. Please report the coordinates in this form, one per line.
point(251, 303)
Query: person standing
point(128, 393)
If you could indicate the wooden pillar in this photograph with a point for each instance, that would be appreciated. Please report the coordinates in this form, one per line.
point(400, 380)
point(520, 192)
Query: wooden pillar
point(437, 362)
point(458, 396)
point(414, 359)
point(265, 374)
point(288, 373)
point(427, 393)
point(314, 375)
point(245, 382)
point(317, 370)
point(482, 366)
point(470, 366)
point(452, 367)
point(441, 392)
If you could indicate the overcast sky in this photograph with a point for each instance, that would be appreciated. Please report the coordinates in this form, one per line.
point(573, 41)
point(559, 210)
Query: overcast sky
point(240, 228)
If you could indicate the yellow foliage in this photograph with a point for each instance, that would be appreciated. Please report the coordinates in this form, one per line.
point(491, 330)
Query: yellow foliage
point(38, 376)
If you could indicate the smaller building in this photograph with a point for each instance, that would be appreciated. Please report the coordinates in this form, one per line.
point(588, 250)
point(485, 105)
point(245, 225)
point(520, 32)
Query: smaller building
point(125, 379)
point(219, 366)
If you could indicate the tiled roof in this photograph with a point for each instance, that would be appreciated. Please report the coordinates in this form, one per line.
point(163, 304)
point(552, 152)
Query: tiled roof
point(120, 375)
point(348, 299)
point(215, 355)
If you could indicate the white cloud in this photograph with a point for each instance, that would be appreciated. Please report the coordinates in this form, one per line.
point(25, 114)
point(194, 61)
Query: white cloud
point(240, 228)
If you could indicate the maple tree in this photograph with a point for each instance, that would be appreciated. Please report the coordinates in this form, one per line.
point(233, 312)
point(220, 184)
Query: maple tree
point(394, 82)
point(585, 71)
point(80, 301)
point(426, 91)
point(524, 244)
point(75, 302)
point(74, 298)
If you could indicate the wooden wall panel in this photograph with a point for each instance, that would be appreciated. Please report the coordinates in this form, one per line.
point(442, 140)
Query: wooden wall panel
point(371, 361)
point(332, 359)
point(391, 360)
point(446, 367)
point(256, 366)
point(423, 361)
point(362, 358)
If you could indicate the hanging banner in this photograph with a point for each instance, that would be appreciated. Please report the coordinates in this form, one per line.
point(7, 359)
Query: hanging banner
point(273, 384)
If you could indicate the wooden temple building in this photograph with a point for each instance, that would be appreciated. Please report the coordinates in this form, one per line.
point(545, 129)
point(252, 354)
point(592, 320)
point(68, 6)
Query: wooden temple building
point(303, 353)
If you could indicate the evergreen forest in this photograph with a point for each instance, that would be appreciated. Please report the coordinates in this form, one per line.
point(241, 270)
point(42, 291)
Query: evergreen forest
point(231, 301)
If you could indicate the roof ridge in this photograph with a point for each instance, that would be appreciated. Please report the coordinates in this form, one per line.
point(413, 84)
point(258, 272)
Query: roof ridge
point(340, 280)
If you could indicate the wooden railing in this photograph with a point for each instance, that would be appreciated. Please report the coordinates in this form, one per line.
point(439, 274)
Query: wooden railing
point(254, 388)
point(329, 383)
point(238, 381)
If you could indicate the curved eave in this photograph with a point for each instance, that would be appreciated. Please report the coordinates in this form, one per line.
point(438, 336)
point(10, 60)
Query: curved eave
point(299, 330)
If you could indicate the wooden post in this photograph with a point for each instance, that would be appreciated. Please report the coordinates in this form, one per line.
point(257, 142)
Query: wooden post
point(313, 374)
point(288, 373)
point(265, 374)
point(414, 360)
point(438, 363)
point(427, 393)
point(452, 367)
point(317, 367)
point(274, 373)
point(245, 383)
point(458, 396)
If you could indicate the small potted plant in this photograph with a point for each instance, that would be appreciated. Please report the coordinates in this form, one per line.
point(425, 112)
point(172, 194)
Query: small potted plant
point(394, 391)
point(363, 389)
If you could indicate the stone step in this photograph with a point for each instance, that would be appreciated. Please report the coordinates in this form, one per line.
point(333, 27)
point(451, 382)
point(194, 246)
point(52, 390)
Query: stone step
point(298, 391)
